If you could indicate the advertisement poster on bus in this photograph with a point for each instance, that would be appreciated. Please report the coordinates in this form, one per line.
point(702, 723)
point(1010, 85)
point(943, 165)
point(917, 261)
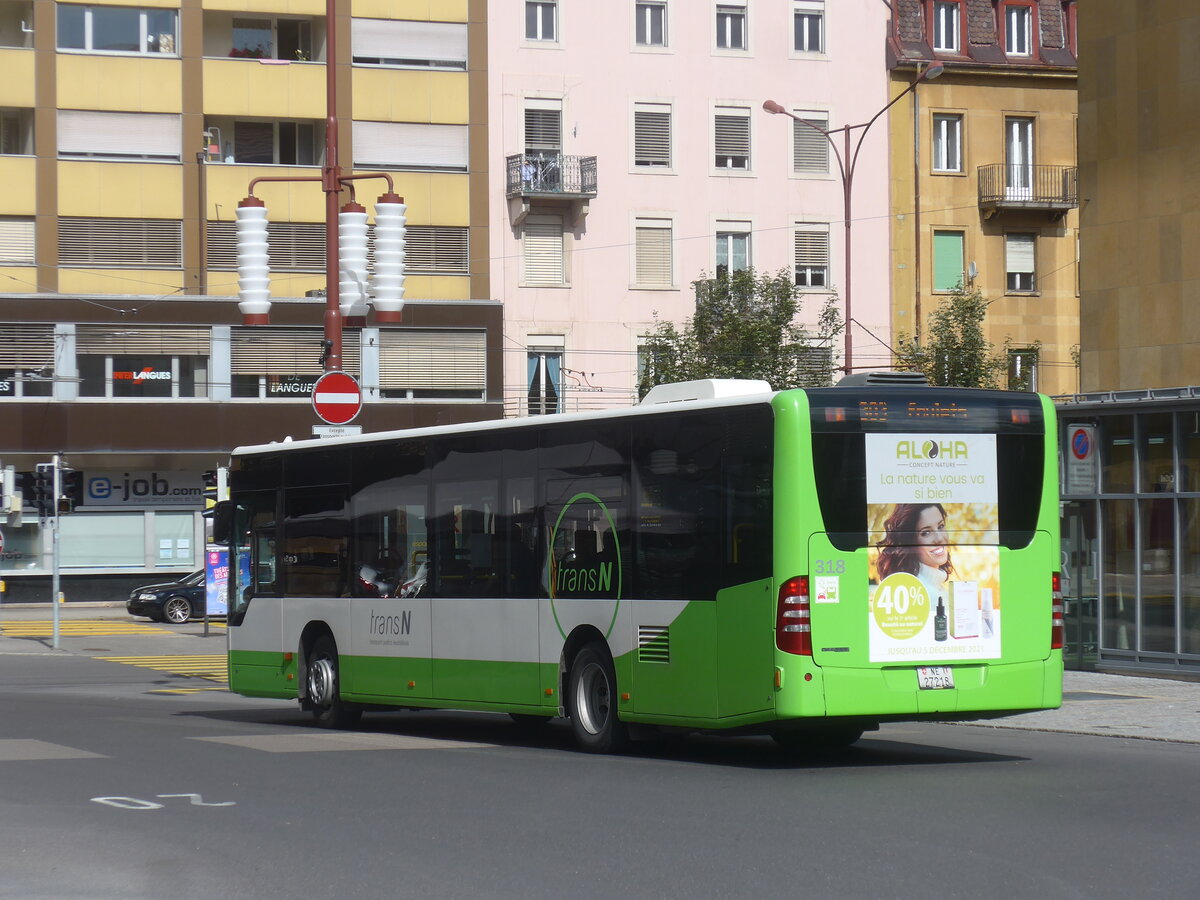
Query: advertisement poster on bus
point(933, 554)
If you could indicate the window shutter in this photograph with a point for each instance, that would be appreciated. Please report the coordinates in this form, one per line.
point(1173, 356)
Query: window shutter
point(651, 135)
point(104, 340)
point(653, 255)
point(118, 134)
point(947, 260)
point(17, 246)
point(733, 134)
point(810, 148)
point(812, 247)
point(259, 350)
point(1019, 252)
point(411, 145)
point(437, 248)
point(432, 360)
point(543, 129)
point(26, 346)
point(409, 42)
point(108, 243)
point(293, 246)
point(543, 250)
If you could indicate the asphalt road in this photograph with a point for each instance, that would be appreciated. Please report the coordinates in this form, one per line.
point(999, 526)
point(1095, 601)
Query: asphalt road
point(122, 780)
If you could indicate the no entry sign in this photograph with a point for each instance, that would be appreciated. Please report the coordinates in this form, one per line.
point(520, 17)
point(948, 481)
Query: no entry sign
point(337, 398)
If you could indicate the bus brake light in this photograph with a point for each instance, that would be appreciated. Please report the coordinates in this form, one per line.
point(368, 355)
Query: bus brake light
point(1056, 612)
point(793, 627)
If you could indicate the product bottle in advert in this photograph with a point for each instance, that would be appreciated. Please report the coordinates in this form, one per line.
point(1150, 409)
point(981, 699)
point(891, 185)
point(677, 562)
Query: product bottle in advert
point(939, 622)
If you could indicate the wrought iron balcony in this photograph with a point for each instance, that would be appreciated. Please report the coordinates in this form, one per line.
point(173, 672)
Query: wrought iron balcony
point(551, 175)
point(1053, 189)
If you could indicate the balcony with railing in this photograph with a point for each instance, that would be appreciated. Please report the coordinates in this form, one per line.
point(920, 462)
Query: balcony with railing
point(1050, 189)
point(550, 179)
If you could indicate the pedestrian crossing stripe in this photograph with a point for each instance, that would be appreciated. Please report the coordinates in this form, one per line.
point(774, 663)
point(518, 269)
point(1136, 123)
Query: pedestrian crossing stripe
point(211, 668)
point(44, 628)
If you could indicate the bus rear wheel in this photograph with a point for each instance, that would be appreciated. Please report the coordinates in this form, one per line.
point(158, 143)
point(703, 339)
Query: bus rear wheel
point(593, 702)
point(323, 682)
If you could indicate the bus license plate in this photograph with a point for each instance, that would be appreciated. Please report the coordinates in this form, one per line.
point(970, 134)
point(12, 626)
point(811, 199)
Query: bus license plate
point(935, 678)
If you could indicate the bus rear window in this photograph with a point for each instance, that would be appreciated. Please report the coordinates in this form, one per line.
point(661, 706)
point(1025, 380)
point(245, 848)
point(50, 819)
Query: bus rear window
point(841, 418)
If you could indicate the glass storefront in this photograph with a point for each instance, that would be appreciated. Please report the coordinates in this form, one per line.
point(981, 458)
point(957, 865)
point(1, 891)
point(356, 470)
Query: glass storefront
point(1131, 533)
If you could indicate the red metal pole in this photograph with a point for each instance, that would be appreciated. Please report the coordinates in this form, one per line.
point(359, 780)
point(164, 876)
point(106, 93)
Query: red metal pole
point(331, 184)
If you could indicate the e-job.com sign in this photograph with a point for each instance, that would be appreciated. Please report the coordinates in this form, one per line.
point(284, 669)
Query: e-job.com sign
point(143, 489)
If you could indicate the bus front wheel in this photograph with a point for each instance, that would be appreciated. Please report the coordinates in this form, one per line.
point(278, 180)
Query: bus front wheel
point(323, 683)
point(593, 702)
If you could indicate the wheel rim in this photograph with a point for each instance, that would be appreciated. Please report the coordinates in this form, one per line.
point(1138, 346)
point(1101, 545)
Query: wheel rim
point(176, 610)
point(592, 698)
point(321, 680)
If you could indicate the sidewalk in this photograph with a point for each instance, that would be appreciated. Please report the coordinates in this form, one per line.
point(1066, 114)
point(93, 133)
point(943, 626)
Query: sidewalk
point(1115, 705)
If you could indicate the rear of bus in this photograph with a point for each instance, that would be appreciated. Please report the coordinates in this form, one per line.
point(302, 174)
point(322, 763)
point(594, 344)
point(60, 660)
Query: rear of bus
point(916, 542)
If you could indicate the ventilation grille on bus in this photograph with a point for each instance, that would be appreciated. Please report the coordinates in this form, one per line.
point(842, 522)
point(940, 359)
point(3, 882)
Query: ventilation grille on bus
point(899, 379)
point(654, 644)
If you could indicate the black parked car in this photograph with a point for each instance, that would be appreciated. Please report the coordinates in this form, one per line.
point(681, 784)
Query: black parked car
point(176, 602)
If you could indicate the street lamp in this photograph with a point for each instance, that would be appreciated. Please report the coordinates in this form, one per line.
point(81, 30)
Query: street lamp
point(846, 163)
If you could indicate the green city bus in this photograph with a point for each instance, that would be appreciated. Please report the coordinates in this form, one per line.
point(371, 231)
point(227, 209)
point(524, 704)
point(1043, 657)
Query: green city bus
point(720, 558)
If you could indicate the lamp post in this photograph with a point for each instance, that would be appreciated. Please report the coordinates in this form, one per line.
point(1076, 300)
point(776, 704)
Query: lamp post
point(846, 164)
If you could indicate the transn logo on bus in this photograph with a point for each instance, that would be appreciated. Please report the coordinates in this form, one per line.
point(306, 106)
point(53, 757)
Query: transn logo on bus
point(931, 450)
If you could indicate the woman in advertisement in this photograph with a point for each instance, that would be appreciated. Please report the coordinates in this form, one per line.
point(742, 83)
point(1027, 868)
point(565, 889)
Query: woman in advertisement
point(914, 541)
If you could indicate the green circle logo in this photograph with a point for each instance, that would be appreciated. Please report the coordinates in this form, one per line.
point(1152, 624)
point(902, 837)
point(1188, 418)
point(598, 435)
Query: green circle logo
point(597, 578)
point(900, 606)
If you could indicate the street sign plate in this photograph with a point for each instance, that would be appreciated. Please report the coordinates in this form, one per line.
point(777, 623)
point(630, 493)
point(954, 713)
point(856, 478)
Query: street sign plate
point(337, 398)
point(334, 431)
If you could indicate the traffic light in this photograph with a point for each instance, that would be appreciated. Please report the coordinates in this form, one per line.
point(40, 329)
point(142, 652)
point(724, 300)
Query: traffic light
point(70, 491)
point(210, 489)
point(43, 490)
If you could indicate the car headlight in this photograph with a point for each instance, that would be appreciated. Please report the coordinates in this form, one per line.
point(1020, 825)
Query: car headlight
point(147, 596)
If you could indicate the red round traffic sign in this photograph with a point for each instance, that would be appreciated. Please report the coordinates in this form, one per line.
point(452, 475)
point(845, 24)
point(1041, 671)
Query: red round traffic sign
point(337, 398)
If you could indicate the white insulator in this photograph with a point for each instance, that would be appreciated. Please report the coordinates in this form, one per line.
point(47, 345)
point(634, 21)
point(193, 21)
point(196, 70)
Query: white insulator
point(352, 255)
point(253, 262)
point(388, 281)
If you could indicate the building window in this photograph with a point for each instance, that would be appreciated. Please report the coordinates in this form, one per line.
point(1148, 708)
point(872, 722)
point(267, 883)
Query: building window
point(544, 370)
point(731, 26)
point(810, 147)
point(1023, 369)
point(732, 138)
point(16, 132)
point(541, 20)
point(410, 145)
point(90, 134)
point(652, 135)
point(17, 247)
point(278, 363)
point(733, 247)
point(120, 243)
point(26, 359)
point(272, 38)
point(1019, 262)
point(947, 142)
point(543, 127)
point(1018, 155)
point(543, 251)
point(946, 26)
point(947, 260)
point(651, 23)
point(812, 255)
point(116, 29)
point(267, 143)
point(653, 265)
point(1018, 30)
point(428, 364)
point(808, 22)
point(424, 45)
point(142, 363)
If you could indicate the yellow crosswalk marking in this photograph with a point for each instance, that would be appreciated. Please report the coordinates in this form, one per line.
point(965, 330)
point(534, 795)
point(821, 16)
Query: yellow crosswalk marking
point(41, 628)
point(210, 668)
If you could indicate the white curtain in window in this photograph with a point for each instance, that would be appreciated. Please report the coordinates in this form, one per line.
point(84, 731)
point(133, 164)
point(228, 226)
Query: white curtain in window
point(91, 133)
point(415, 145)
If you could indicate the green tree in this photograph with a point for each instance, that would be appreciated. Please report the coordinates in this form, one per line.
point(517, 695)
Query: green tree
point(955, 352)
point(744, 327)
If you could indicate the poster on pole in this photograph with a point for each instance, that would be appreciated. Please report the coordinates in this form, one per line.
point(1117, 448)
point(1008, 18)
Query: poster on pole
point(933, 548)
point(216, 580)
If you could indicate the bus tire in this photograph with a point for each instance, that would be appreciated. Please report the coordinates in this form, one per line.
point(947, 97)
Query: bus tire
point(593, 702)
point(322, 679)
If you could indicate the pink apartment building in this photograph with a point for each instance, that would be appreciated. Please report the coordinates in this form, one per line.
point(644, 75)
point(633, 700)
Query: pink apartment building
point(631, 156)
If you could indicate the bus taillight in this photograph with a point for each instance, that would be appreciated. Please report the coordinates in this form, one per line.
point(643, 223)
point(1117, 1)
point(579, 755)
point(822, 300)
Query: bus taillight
point(793, 627)
point(1056, 612)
